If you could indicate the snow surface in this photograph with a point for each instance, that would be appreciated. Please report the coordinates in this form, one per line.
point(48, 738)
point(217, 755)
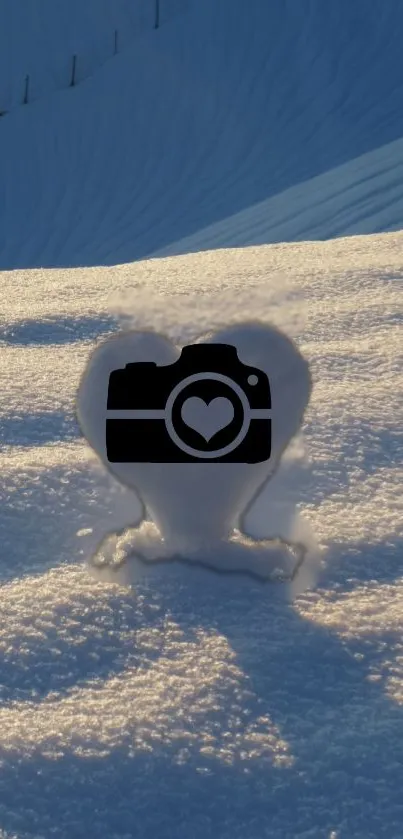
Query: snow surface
point(229, 104)
point(40, 39)
point(198, 705)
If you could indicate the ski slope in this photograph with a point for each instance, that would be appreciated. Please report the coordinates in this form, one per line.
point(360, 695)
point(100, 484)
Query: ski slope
point(198, 705)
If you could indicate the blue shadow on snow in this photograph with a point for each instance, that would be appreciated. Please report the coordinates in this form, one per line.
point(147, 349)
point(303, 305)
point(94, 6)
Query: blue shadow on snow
point(60, 330)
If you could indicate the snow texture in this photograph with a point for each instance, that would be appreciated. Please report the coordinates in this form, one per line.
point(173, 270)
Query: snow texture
point(197, 704)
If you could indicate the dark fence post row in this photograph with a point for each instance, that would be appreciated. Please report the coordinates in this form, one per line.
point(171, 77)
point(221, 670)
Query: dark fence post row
point(73, 78)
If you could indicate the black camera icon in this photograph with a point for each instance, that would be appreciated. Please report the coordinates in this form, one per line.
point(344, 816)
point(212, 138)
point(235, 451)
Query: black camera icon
point(207, 406)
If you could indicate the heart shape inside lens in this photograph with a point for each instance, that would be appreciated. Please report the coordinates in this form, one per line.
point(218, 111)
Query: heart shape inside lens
point(207, 418)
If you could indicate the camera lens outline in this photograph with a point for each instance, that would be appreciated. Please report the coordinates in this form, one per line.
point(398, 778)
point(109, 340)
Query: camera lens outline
point(197, 377)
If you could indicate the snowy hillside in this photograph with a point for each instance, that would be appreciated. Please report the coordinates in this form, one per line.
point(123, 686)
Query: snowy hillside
point(361, 196)
point(196, 705)
point(40, 39)
point(227, 105)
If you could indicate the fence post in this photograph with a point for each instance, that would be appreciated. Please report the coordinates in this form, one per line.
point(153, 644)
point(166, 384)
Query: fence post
point(115, 50)
point(26, 93)
point(73, 71)
point(157, 14)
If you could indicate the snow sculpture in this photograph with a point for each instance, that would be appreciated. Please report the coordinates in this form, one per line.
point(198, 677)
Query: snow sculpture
point(193, 509)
